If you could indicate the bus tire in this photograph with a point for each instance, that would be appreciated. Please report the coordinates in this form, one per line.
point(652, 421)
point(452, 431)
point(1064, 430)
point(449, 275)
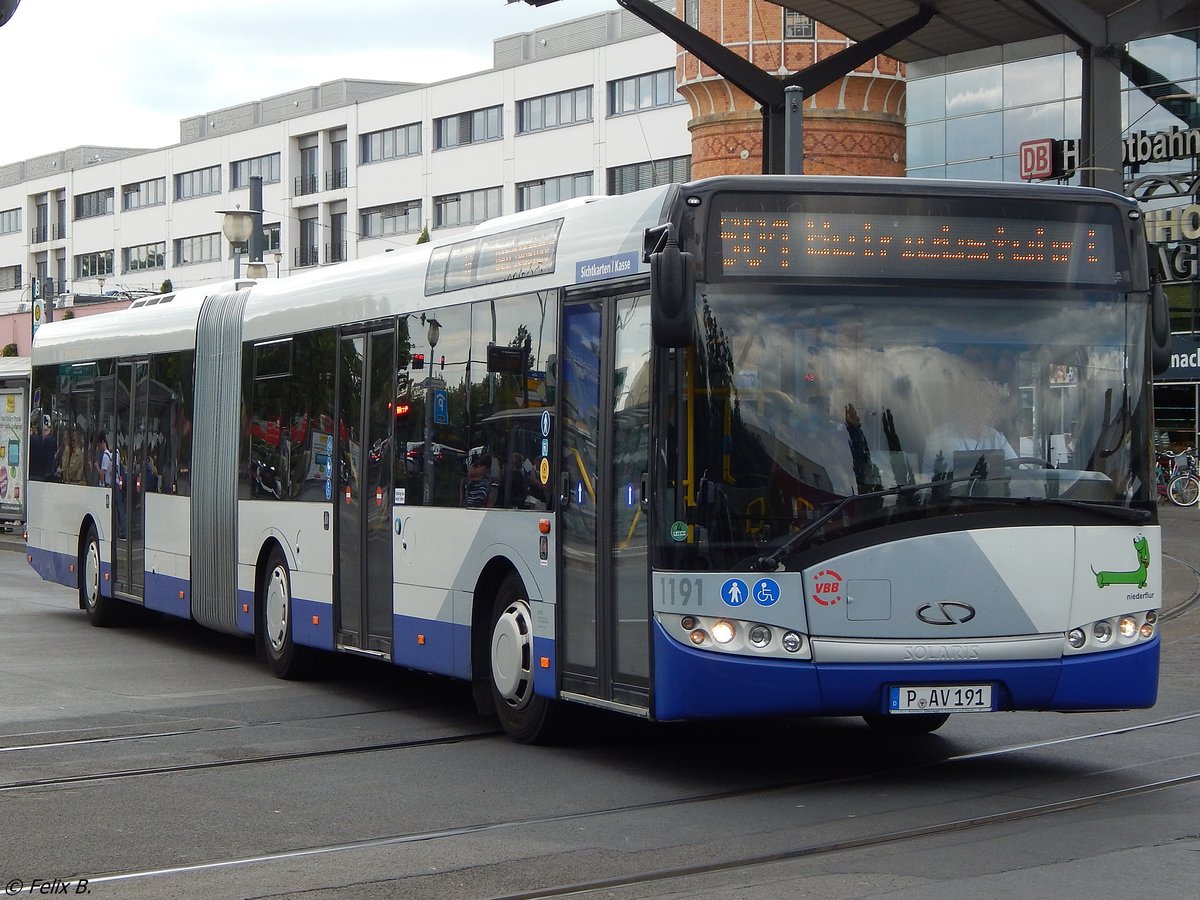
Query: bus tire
point(526, 717)
point(103, 612)
point(284, 658)
point(919, 723)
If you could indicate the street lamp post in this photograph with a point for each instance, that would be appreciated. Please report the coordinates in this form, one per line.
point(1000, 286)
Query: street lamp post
point(237, 226)
point(278, 260)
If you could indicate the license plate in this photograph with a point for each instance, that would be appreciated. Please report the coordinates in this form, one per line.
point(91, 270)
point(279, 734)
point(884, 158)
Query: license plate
point(941, 698)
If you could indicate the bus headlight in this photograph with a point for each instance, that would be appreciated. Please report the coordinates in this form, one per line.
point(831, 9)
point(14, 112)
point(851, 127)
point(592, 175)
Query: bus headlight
point(723, 631)
point(760, 636)
point(1115, 633)
point(792, 642)
point(736, 637)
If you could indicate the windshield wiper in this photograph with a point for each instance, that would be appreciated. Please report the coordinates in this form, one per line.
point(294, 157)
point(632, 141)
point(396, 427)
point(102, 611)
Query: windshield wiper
point(770, 562)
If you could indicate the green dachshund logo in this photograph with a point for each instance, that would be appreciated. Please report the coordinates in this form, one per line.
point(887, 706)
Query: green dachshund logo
point(1136, 576)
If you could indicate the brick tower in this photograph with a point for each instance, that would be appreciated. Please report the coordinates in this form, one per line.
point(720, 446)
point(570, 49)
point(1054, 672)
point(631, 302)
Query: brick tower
point(853, 127)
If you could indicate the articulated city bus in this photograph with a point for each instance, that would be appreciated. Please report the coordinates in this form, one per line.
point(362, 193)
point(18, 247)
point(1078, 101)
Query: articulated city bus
point(748, 446)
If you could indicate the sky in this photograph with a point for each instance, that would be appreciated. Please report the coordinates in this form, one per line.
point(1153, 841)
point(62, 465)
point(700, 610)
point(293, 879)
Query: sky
point(122, 73)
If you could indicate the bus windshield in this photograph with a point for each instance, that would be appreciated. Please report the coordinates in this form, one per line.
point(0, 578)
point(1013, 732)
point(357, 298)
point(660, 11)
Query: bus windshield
point(942, 400)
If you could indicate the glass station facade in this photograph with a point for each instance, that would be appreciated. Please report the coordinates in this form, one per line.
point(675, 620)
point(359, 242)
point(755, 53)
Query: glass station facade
point(968, 115)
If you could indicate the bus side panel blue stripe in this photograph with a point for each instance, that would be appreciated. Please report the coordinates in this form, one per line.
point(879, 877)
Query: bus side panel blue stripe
point(544, 681)
point(303, 630)
point(1115, 679)
point(162, 594)
point(437, 653)
point(53, 566)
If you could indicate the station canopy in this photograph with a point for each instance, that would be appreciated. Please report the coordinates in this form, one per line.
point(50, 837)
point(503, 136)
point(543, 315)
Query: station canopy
point(962, 25)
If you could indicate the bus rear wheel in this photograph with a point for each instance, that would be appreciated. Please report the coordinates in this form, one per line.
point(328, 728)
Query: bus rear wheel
point(526, 717)
point(284, 658)
point(919, 723)
point(102, 611)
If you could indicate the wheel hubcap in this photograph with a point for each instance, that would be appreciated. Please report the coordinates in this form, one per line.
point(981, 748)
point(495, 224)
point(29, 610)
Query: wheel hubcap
point(276, 612)
point(512, 655)
point(91, 574)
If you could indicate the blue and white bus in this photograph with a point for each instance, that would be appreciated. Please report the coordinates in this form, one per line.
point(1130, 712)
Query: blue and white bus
point(748, 446)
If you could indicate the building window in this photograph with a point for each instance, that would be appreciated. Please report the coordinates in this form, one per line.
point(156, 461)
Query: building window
point(338, 176)
point(635, 177)
point(553, 110)
point(10, 221)
point(691, 13)
point(395, 218)
point(309, 179)
point(10, 278)
point(307, 252)
point(532, 194)
point(97, 203)
point(93, 265)
point(466, 208)
point(273, 233)
point(391, 143)
point(198, 183)
point(796, 26)
point(642, 92)
point(144, 257)
point(467, 128)
point(199, 249)
point(243, 170)
point(144, 193)
point(336, 249)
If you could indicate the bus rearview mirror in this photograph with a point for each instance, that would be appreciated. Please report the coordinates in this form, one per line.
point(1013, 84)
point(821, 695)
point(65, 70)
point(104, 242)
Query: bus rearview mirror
point(672, 296)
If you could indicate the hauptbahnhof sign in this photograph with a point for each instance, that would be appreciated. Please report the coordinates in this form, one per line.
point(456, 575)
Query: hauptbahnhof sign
point(1049, 158)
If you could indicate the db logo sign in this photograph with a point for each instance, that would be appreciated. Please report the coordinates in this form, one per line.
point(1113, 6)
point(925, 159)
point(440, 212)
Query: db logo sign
point(827, 587)
point(1037, 158)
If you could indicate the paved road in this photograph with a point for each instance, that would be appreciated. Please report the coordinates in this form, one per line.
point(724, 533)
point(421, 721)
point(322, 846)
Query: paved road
point(166, 749)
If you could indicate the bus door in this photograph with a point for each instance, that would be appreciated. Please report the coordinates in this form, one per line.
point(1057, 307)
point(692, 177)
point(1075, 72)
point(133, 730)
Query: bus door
point(131, 399)
point(363, 498)
point(604, 634)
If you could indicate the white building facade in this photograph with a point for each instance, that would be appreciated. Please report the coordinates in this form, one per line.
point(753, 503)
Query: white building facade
point(352, 168)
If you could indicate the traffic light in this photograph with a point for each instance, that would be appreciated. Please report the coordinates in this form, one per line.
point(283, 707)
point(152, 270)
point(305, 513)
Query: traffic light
point(418, 360)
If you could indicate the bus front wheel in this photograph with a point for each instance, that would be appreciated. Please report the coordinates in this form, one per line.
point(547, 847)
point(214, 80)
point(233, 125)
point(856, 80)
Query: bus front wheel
point(526, 717)
point(101, 611)
point(284, 658)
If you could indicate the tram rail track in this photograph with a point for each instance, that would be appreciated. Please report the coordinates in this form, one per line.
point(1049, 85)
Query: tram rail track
point(261, 759)
point(814, 849)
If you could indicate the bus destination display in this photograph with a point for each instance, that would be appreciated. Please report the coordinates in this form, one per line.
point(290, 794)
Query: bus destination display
point(849, 245)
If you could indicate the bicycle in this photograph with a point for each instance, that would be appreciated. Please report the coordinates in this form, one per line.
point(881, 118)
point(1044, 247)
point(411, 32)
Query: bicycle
point(1183, 485)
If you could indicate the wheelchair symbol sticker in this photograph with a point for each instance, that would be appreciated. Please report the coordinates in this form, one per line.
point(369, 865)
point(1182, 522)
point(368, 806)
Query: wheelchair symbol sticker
point(734, 592)
point(766, 592)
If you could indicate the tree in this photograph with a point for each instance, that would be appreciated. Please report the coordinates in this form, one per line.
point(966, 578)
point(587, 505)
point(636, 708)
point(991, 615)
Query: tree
point(424, 236)
point(166, 287)
point(9, 350)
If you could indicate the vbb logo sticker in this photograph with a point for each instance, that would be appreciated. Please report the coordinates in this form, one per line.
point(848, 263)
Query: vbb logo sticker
point(827, 587)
